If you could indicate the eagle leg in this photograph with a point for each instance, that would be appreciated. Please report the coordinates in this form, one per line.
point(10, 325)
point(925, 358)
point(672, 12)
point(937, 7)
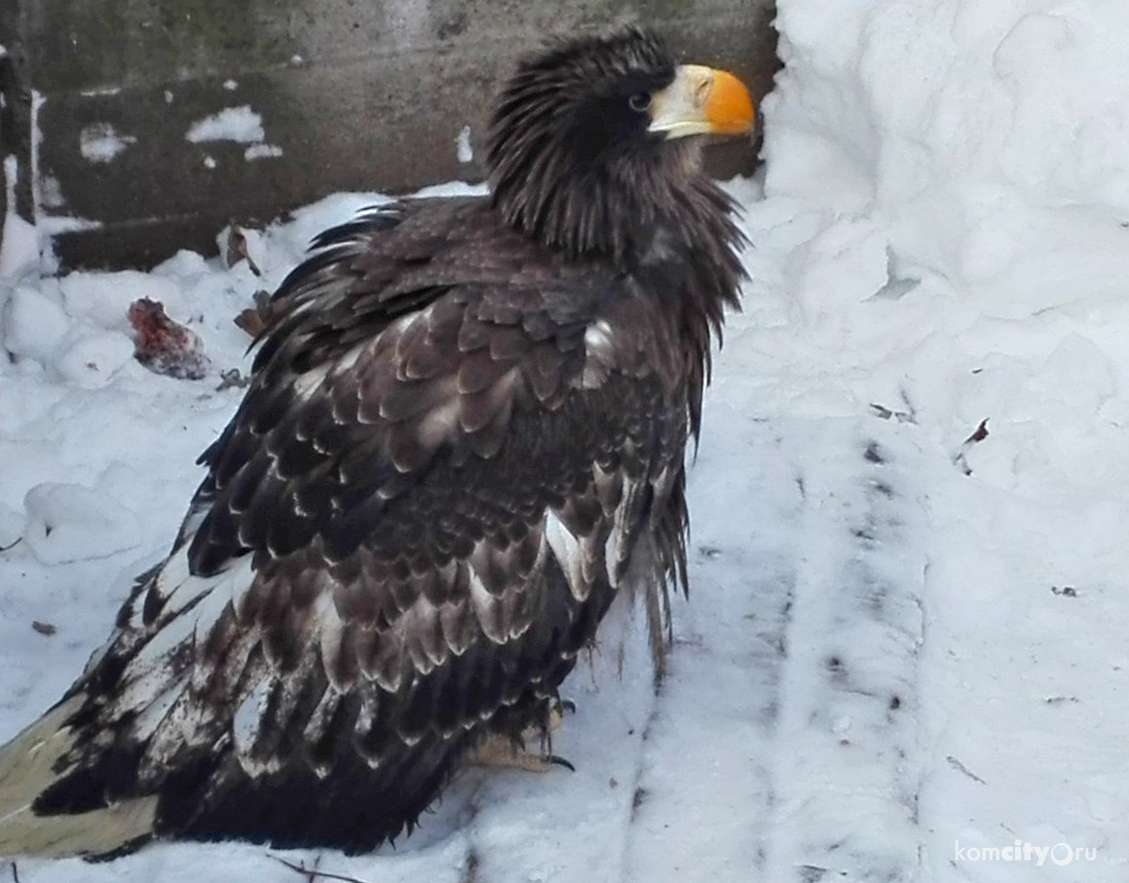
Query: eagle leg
point(505, 746)
point(498, 750)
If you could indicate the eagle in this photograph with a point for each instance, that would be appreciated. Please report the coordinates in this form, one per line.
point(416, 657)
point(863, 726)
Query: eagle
point(465, 434)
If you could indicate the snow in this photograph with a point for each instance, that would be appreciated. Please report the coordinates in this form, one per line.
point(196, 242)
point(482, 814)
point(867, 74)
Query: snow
point(11, 526)
point(262, 151)
point(89, 359)
point(37, 102)
point(239, 124)
point(995, 156)
point(19, 242)
point(101, 143)
point(103, 298)
point(51, 192)
point(903, 657)
point(463, 149)
point(19, 251)
point(34, 325)
point(68, 522)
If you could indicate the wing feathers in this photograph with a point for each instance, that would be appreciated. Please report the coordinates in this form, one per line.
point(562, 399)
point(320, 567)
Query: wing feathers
point(416, 519)
point(460, 628)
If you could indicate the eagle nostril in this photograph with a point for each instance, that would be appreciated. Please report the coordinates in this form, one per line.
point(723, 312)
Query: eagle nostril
point(702, 91)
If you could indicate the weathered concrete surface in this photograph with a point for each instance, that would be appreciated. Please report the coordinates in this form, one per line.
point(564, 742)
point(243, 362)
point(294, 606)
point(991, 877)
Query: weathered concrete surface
point(352, 95)
point(15, 110)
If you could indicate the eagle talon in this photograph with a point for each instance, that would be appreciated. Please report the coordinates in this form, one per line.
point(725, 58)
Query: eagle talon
point(498, 750)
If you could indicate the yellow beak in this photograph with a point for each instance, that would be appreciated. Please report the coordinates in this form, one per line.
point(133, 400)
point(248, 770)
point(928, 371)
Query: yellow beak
point(702, 101)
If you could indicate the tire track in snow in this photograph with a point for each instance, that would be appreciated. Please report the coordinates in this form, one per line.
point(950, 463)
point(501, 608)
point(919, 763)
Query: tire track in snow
point(846, 764)
point(571, 826)
point(705, 784)
point(676, 785)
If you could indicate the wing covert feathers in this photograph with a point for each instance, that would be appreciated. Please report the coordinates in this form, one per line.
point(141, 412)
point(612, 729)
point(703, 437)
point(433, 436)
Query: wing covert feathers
point(452, 456)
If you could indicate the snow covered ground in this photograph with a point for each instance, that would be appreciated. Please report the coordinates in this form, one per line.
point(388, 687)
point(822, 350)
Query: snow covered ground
point(904, 657)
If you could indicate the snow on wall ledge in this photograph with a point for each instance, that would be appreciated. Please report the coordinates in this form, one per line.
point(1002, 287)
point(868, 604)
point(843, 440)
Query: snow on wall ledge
point(973, 133)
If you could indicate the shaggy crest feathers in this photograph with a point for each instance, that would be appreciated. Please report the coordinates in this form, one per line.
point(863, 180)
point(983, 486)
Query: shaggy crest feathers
point(569, 162)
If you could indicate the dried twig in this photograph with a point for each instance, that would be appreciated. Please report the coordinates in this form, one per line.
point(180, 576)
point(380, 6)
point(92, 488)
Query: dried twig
point(233, 377)
point(312, 874)
point(957, 765)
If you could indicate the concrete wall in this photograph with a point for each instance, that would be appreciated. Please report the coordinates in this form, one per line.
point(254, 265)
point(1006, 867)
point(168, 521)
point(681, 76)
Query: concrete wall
point(353, 95)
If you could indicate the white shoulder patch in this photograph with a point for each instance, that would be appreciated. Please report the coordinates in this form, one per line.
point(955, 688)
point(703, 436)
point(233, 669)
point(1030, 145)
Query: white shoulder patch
point(304, 385)
point(569, 554)
point(599, 353)
point(246, 723)
point(598, 335)
point(485, 608)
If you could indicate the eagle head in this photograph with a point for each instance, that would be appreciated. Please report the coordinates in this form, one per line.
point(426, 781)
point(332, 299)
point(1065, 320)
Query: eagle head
point(588, 144)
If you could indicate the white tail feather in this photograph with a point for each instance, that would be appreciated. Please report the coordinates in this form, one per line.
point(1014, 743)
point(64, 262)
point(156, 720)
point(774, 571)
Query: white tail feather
point(27, 767)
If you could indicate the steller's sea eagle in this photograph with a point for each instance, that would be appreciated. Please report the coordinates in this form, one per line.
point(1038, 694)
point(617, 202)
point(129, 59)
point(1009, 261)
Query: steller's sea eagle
point(464, 435)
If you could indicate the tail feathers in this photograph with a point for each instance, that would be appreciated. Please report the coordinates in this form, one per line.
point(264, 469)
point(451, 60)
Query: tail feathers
point(27, 768)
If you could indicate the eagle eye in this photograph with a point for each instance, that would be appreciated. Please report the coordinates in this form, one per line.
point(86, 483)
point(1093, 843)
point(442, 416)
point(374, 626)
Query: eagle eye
point(640, 102)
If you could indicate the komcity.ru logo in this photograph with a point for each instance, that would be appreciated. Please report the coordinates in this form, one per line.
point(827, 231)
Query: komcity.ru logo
point(1061, 853)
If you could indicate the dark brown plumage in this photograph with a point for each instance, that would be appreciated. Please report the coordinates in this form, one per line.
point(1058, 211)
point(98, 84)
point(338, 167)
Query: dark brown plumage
point(464, 435)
